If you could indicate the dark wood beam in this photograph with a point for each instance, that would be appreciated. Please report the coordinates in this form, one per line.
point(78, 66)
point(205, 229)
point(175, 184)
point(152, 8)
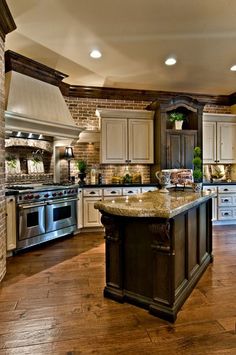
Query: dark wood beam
point(21, 64)
point(232, 98)
point(7, 23)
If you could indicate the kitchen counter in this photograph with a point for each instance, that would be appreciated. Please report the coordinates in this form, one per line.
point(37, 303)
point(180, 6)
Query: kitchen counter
point(157, 247)
point(154, 204)
point(232, 182)
point(38, 187)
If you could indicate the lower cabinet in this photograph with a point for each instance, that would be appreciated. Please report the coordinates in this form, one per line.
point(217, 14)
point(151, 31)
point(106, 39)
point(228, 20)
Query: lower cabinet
point(92, 217)
point(214, 200)
point(88, 216)
point(11, 223)
point(227, 202)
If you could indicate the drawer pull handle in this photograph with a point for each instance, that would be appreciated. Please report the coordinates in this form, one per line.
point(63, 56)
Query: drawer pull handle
point(92, 193)
point(226, 214)
point(130, 192)
point(226, 189)
point(208, 189)
point(113, 192)
point(226, 200)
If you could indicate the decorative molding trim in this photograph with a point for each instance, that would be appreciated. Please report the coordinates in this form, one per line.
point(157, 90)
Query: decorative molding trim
point(111, 229)
point(162, 240)
point(7, 23)
point(27, 66)
point(140, 95)
point(232, 98)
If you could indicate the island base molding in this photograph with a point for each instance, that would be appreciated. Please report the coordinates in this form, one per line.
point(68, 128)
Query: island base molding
point(155, 263)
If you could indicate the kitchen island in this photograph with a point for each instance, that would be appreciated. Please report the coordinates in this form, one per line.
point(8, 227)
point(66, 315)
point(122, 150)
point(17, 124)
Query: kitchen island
point(157, 247)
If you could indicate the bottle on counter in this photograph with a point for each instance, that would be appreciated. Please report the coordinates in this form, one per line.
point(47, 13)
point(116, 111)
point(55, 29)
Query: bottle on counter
point(93, 175)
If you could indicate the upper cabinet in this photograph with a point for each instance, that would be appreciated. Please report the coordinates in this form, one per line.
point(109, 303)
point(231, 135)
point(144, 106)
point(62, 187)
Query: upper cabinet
point(219, 139)
point(126, 137)
point(180, 145)
point(174, 148)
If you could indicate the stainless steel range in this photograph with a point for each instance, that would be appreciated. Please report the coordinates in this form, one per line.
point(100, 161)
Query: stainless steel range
point(45, 213)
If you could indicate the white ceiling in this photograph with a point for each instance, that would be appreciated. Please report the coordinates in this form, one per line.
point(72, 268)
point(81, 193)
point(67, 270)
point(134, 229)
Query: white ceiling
point(135, 38)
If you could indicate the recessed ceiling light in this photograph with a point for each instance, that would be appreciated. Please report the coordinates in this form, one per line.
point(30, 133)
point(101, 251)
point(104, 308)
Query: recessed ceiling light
point(233, 68)
point(95, 54)
point(170, 61)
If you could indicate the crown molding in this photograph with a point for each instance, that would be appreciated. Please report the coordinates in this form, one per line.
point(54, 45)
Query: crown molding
point(7, 23)
point(21, 64)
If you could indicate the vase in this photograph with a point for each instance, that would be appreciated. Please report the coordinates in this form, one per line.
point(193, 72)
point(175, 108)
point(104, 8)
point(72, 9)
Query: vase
point(178, 125)
point(81, 176)
point(163, 178)
point(197, 186)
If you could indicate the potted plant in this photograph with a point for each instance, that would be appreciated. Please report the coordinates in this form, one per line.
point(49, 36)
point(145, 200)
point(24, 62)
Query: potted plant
point(197, 169)
point(178, 118)
point(82, 166)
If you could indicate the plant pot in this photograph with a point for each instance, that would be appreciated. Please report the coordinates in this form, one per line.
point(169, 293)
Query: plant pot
point(178, 125)
point(197, 186)
point(82, 176)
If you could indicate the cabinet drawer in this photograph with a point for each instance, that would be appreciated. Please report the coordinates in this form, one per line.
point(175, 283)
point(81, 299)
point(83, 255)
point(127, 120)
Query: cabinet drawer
point(227, 188)
point(131, 191)
point(113, 191)
point(226, 200)
point(210, 188)
point(92, 192)
point(226, 213)
point(148, 188)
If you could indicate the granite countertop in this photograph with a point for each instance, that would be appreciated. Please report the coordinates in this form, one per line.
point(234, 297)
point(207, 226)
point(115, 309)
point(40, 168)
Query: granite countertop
point(222, 182)
point(154, 204)
point(38, 187)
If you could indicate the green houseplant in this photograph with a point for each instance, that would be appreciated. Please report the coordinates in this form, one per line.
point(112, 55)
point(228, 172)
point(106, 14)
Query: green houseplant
point(82, 166)
point(197, 169)
point(177, 118)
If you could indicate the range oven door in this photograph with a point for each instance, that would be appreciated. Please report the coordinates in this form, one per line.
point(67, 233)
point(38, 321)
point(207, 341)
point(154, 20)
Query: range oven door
point(31, 220)
point(60, 214)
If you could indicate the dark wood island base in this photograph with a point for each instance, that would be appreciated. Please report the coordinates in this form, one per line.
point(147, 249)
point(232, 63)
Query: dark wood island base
point(155, 262)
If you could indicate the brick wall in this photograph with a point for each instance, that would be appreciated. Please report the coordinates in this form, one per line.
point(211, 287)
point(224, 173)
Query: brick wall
point(83, 112)
point(2, 168)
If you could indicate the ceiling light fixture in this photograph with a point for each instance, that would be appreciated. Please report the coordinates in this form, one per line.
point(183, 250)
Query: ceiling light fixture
point(95, 54)
point(233, 68)
point(170, 61)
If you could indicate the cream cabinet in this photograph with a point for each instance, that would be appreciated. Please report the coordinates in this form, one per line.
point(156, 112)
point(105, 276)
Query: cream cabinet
point(214, 200)
point(126, 137)
point(91, 216)
point(219, 141)
point(10, 223)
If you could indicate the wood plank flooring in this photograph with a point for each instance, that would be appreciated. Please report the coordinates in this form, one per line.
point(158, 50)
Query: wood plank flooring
point(51, 302)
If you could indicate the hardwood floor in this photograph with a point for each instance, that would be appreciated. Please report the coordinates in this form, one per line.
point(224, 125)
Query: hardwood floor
point(51, 302)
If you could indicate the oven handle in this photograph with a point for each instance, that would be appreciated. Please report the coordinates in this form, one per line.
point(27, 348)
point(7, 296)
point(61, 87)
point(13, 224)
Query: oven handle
point(38, 204)
point(55, 202)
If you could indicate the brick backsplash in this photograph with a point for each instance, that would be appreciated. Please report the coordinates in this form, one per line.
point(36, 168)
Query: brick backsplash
point(217, 109)
point(2, 168)
point(83, 112)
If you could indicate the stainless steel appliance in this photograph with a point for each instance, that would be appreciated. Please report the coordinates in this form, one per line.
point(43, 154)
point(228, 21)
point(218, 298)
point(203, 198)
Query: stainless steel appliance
point(45, 213)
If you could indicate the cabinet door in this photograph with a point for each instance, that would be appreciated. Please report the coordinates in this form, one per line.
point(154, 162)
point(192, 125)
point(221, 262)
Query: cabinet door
point(140, 141)
point(92, 217)
point(209, 142)
point(11, 223)
point(226, 142)
point(180, 147)
point(113, 146)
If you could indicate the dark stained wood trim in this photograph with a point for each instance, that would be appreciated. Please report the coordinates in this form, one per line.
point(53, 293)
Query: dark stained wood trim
point(21, 64)
point(7, 23)
point(232, 98)
point(141, 95)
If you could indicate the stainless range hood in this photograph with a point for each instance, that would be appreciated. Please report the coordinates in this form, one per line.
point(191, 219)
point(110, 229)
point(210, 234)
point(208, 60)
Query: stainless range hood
point(34, 106)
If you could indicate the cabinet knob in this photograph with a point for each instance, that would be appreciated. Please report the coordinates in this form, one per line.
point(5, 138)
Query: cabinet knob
point(226, 189)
